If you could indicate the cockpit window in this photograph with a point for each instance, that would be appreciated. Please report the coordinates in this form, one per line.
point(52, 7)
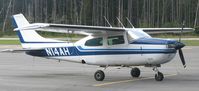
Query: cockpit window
point(113, 40)
point(94, 42)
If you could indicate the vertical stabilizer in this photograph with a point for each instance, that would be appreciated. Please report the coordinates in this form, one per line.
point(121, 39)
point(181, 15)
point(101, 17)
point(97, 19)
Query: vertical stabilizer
point(30, 38)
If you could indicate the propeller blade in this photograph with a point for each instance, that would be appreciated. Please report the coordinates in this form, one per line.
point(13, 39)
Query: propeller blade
point(182, 58)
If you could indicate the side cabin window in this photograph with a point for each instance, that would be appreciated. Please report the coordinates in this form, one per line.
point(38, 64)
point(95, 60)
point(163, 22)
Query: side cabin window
point(94, 42)
point(114, 40)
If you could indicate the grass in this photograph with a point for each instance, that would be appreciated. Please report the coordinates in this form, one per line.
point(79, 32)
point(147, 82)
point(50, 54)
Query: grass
point(191, 42)
point(184, 35)
point(16, 42)
point(9, 36)
point(9, 42)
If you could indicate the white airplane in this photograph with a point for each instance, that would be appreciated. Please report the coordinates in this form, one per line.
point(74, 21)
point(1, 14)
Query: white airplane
point(103, 46)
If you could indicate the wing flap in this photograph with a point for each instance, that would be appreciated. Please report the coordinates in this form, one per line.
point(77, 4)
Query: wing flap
point(77, 29)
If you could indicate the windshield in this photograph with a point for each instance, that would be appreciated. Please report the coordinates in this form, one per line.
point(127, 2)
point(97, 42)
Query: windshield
point(138, 33)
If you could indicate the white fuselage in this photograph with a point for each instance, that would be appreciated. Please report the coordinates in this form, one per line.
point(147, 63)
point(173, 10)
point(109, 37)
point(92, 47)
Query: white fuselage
point(104, 46)
point(124, 54)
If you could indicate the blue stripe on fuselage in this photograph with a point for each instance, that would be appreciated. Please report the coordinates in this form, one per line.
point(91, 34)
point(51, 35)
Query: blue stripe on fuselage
point(153, 41)
point(110, 49)
point(73, 51)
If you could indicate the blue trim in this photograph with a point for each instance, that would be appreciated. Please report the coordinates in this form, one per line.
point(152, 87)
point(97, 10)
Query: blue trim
point(153, 41)
point(22, 40)
point(14, 24)
point(20, 37)
point(103, 49)
point(75, 52)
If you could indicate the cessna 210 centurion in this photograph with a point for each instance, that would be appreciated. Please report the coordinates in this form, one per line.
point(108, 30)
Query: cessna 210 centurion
point(103, 46)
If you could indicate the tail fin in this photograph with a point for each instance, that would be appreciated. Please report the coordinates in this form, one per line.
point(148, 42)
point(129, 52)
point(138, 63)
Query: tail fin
point(30, 38)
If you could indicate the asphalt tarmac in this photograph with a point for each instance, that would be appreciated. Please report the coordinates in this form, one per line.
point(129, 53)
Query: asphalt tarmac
point(20, 72)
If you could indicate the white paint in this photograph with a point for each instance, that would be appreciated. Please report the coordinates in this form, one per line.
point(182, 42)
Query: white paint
point(58, 49)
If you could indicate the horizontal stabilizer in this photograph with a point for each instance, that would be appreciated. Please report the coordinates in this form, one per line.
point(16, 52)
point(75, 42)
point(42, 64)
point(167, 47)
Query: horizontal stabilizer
point(16, 50)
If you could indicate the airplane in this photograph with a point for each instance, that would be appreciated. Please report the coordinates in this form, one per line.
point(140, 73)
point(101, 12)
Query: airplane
point(103, 46)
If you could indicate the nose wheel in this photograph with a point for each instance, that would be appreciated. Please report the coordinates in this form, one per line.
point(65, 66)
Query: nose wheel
point(158, 76)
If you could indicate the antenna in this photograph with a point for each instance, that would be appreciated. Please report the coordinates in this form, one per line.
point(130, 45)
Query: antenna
point(129, 22)
point(107, 21)
point(120, 22)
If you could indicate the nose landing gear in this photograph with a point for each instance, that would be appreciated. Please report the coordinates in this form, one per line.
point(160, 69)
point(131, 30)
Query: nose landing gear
point(158, 75)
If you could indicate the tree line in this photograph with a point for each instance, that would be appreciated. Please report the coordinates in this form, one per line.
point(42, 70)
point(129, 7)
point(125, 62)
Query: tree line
point(141, 13)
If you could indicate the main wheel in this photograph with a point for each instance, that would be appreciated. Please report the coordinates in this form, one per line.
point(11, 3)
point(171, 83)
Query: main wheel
point(135, 72)
point(99, 75)
point(159, 76)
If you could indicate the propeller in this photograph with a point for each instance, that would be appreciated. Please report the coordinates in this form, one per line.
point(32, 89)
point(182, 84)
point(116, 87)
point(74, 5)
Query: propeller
point(182, 57)
point(180, 50)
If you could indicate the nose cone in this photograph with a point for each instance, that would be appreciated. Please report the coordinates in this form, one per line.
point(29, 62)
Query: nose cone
point(179, 45)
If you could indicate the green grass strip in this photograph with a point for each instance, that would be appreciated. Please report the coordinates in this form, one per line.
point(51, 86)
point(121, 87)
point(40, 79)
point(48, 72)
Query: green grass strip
point(191, 42)
point(9, 42)
point(16, 42)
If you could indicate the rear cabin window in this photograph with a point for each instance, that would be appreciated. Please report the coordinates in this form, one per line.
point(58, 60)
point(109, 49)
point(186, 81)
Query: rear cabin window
point(114, 40)
point(94, 42)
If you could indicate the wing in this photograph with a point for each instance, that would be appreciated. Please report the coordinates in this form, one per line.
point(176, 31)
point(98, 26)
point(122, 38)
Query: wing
point(94, 30)
point(77, 29)
point(165, 30)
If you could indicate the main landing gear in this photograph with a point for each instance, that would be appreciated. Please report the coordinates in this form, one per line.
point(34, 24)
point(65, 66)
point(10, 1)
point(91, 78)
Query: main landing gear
point(135, 72)
point(99, 75)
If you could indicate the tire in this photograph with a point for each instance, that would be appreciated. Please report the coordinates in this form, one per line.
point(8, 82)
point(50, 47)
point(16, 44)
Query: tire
point(135, 72)
point(99, 75)
point(159, 76)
